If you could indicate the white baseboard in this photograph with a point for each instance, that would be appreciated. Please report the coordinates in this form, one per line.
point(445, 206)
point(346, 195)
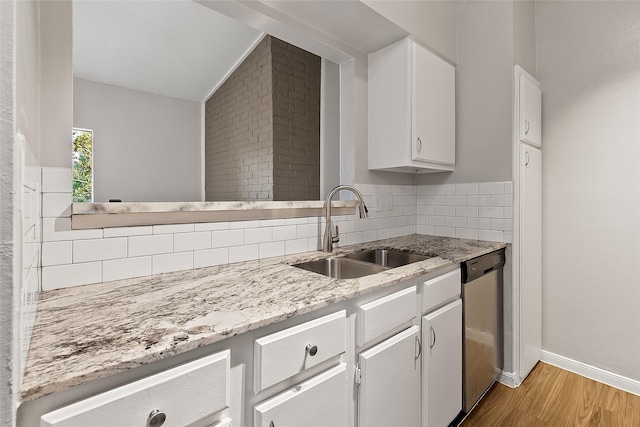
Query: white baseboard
point(596, 374)
point(508, 379)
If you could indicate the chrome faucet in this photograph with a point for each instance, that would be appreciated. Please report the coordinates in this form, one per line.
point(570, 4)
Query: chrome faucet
point(329, 238)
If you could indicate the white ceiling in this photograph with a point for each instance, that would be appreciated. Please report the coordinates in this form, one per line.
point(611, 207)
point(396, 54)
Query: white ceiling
point(175, 48)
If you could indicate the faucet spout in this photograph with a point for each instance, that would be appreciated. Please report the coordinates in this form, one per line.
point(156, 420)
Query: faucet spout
point(329, 239)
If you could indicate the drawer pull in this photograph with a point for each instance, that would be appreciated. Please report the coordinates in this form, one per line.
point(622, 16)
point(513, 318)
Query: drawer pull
point(312, 350)
point(156, 418)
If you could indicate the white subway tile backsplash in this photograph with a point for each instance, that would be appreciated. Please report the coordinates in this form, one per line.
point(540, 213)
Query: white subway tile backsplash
point(466, 233)
point(296, 221)
point(456, 200)
point(56, 205)
point(370, 236)
point(466, 188)
point(456, 221)
point(150, 245)
point(271, 249)
point(173, 228)
point(479, 223)
point(502, 224)
point(435, 200)
point(363, 224)
point(508, 187)
point(56, 229)
point(306, 230)
point(272, 222)
point(445, 210)
point(191, 241)
point(508, 212)
point(445, 231)
point(244, 224)
point(57, 253)
point(501, 200)
point(99, 249)
point(285, 232)
point(126, 268)
point(243, 253)
point(426, 210)
point(295, 246)
point(258, 235)
point(63, 276)
point(491, 188)
point(128, 231)
point(468, 211)
point(354, 238)
point(445, 189)
point(491, 235)
point(165, 263)
point(210, 257)
point(435, 220)
point(210, 226)
point(479, 200)
point(486, 212)
point(225, 238)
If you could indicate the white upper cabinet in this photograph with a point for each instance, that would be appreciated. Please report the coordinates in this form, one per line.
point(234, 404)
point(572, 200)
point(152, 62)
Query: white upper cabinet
point(530, 109)
point(411, 110)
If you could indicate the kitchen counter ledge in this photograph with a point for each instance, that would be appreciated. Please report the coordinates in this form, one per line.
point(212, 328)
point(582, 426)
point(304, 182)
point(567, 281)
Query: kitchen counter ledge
point(94, 331)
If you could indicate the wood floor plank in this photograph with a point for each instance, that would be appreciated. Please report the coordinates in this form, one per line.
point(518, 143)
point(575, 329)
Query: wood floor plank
point(552, 397)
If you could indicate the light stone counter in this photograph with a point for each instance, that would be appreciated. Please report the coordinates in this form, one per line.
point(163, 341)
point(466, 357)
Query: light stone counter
point(94, 331)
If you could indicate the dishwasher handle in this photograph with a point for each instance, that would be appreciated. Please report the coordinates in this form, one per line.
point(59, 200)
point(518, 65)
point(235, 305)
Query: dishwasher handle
point(484, 264)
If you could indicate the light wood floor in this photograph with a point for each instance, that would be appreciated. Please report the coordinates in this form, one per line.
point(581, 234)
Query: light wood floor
point(554, 397)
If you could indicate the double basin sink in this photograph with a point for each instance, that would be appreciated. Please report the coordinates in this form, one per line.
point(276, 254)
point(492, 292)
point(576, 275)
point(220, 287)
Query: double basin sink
point(362, 263)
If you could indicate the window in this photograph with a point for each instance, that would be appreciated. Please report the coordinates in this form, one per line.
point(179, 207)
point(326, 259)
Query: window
point(82, 165)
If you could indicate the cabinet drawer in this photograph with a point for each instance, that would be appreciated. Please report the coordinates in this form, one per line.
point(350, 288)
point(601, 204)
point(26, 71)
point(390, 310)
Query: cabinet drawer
point(385, 314)
point(320, 401)
point(185, 394)
point(283, 354)
point(441, 290)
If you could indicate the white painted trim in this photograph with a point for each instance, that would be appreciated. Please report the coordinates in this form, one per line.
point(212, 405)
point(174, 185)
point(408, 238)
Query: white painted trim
point(508, 379)
point(597, 374)
point(203, 148)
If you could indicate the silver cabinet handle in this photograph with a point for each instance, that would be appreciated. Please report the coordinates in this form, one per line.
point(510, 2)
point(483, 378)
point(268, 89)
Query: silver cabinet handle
point(433, 334)
point(419, 145)
point(312, 350)
point(272, 424)
point(526, 127)
point(527, 158)
point(419, 347)
point(156, 418)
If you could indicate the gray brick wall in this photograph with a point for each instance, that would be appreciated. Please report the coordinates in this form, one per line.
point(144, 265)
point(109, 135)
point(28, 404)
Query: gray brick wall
point(239, 132)
point(296, 122)
point(255, 150)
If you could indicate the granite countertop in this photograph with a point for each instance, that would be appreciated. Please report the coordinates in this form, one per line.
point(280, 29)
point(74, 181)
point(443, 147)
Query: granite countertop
point(89, 332)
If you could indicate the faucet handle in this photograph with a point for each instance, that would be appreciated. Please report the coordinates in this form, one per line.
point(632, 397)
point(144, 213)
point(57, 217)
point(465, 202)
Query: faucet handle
point(336, 238)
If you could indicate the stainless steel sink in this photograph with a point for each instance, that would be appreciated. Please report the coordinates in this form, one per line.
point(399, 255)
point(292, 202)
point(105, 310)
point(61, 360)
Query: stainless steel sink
point(387, 257)
point(341, 268)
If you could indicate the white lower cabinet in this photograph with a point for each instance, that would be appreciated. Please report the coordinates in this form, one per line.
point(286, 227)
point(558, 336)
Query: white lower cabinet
point(320, 401)
point(181, 396)
point(389, 389)
point(442, 365)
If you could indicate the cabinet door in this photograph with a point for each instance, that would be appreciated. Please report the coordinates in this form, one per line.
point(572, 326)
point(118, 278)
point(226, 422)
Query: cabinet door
point(530, 258)
point(442, 369)
point(530, 112)
point(389, 391)
point(433, 112)
point(320, 401)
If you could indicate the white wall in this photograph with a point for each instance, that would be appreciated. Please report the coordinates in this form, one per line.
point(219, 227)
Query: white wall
point(483, 94)
point(431, 23)
point(589, 69)
point(146, 147)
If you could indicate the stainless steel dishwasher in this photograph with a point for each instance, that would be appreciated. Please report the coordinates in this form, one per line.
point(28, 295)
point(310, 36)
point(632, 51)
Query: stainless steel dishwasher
point(482, 350)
